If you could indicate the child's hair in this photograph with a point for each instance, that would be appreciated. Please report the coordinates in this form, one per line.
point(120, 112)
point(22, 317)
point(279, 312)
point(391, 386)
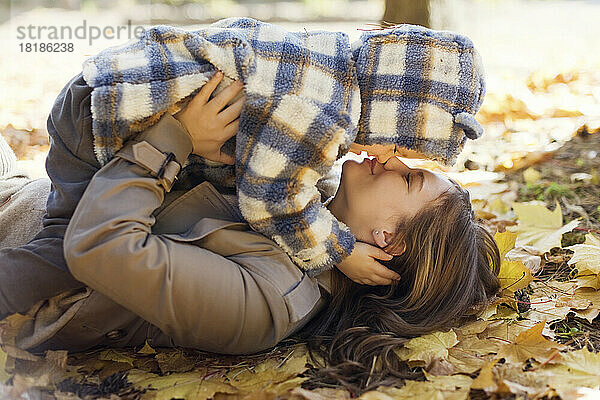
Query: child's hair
point(448, 274)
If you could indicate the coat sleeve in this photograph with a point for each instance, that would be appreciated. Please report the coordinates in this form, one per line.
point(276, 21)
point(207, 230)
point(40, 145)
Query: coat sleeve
point(199, 298)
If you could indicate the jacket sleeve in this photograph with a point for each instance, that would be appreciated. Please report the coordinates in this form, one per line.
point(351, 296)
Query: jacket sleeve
point(199, 298)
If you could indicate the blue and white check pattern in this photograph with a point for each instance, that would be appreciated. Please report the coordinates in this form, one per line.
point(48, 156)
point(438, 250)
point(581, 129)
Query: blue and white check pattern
point(303, 109)
point(302, 106)
point(420, 89)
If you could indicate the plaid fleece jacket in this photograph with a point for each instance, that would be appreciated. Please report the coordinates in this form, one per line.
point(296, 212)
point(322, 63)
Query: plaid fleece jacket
point(302, 112)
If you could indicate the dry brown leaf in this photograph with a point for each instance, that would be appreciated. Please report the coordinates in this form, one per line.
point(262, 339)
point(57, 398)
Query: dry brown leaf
point(471, 328)
point(471, 353)
point(586, 256)
point(554, 300)
point(10, 327)
point(568, 381)
point(529, 383)
point(423, 349)
point(440, 366)
point(116, 355)
point(485, 380)
point(455, 387)
point(530, 344)
point(319, 394)
point(147, 349)
point(186, 385)
point(174, 360)
point(528, 255)
point(269, 375)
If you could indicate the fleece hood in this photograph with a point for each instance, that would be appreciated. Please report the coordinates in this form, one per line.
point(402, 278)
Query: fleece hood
point(419, 89)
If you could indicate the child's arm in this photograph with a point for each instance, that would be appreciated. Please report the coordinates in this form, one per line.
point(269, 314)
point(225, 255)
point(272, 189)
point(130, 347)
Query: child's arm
point(314, 246)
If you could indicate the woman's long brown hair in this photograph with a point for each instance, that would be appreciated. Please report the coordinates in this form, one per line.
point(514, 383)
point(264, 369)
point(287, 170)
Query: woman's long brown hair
point(448, 273)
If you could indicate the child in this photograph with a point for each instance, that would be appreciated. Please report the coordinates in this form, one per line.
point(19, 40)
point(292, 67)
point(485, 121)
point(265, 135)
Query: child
point(308, 97)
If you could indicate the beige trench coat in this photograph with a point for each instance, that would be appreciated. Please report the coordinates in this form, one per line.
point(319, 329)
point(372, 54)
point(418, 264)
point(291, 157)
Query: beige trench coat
point(173, 268)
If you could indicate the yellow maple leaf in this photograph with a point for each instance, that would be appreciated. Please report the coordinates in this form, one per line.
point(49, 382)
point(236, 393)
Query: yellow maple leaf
point(587, 278)
point(455, 387)
point(506, 242)
point(538, 226)
point(569, 380)
point(186, 385)
point(270, 374)
point(530, 344)
point(586, 256)
point(485, 380)
point(513, 275)
point(427, 347)
point(582, 360)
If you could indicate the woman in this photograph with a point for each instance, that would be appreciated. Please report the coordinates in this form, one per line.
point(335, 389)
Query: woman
point(143, 279)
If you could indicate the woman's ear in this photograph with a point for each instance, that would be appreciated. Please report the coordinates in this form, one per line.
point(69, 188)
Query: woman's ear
point(382, 238)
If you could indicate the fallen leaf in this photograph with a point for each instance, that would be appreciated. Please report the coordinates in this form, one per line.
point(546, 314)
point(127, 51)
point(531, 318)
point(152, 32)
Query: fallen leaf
point(506, 241)
point(519, 382)
point(115, 355)
point(586, 256)
point(424, 349)
point(4, 375)
point(582, 360)
point(185, 385)
point(269, 375)
point(485, 380)
point(568, 381)
point(10, 327)
point(587, 278)
point(538, 226)
point(513, 275)
point(471, 328)
point(530, 344)
point(319, 394)
point(454, 387)
point(471, 353)
point(147, 349)
point(174, 360)
point(528, 255)
point(440, 366)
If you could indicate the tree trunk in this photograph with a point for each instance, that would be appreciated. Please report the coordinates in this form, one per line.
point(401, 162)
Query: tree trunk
point(414, 12)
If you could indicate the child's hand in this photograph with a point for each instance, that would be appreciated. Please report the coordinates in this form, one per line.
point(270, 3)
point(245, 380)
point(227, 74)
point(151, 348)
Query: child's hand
point(209, 122)
point(362, 266)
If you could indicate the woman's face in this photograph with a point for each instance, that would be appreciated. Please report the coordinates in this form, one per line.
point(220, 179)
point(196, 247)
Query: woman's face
point(373, 193)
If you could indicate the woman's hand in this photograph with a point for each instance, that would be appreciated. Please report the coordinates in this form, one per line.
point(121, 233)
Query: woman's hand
point(362, 266)
point(209, 122)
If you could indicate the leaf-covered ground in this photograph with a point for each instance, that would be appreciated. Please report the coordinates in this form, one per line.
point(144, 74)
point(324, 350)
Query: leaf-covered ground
point(539, 340)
